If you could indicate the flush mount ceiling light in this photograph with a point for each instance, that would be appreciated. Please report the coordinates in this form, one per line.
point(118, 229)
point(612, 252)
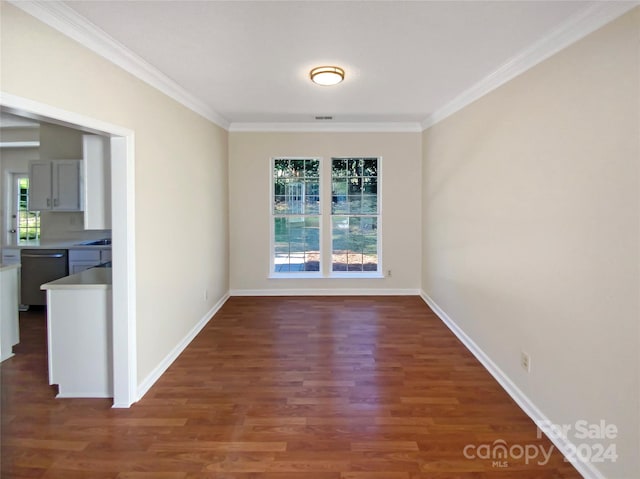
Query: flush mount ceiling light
point(327, 75)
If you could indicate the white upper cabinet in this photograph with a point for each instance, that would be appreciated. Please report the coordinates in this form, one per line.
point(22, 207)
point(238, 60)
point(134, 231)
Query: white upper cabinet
point(67, 192)
point(40, 185)
point(55, 185)
point(96, 159)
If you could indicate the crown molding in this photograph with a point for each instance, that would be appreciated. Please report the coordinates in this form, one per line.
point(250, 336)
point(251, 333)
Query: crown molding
point(68, 22)
point(343, 127)
point(575, 28)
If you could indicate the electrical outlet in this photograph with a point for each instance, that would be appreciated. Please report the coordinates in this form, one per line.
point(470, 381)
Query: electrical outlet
point(388, 273)
point(525, 361)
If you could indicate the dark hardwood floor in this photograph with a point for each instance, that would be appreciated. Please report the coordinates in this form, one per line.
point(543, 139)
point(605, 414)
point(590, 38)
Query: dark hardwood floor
point(282, 388)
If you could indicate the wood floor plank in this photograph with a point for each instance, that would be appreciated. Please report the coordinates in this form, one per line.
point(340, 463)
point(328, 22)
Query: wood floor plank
point(54, 444)
point(279, 388)
point(235, 446)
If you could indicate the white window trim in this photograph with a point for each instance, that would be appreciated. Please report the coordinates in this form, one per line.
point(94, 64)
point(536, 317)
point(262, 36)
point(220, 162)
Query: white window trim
point(355, 274)
point(326, 246)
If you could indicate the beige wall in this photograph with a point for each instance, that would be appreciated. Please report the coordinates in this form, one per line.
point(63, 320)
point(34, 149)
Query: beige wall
point(249, 155)
point(180, 175)
point(531, 231)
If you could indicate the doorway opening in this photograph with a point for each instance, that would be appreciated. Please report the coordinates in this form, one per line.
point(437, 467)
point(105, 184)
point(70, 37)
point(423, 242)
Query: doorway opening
point(123, 232)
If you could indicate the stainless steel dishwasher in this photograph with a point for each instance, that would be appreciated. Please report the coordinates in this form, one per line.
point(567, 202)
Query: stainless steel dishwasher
point(40, 266)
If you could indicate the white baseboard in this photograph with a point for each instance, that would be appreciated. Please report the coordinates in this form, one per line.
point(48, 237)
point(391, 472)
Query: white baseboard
point(566, 447)
point(325, 292)
point(159, 370)
point(84, 394)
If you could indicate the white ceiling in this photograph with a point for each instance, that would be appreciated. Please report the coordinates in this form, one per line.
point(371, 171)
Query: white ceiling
point(249, 61)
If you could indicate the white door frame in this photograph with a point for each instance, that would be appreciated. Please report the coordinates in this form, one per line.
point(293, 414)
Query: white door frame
point(123, 231)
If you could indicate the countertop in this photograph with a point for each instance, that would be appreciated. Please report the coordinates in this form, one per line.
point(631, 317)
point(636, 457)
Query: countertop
point(94, 278)
point(55, 244)
point(8, 266)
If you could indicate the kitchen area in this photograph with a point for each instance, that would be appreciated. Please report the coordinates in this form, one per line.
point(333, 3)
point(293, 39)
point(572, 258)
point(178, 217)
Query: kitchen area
point(55, 187)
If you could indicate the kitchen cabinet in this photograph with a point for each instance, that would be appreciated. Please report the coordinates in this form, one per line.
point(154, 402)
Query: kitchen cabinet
point(9, 330)
point(79, 338)
point(55, 185)
point(96, 162)
point(81, 259)
point(10, 256)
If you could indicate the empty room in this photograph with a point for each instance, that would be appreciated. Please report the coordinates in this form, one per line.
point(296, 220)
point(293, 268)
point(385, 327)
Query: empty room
point(320, 239)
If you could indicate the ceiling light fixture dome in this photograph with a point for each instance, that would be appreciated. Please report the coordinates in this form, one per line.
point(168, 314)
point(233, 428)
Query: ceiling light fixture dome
point(327, 75)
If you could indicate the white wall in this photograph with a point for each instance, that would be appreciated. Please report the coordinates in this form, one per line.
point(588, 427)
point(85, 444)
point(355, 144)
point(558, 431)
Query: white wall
point(250, 214)
point(531, 231)
point(180, 177)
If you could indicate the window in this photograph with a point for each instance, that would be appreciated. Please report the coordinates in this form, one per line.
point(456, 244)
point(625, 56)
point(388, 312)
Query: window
point(354, 214)
point(27, 223)
point(351, 242)
point(296, 215)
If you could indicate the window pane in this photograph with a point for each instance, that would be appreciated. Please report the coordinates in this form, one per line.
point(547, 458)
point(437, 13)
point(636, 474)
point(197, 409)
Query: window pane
point(281, 168)
point(296, 188)
point(278, 188)
point(312, 168)
point(312, 196)
point(290, 200)
point(339, 197)
point(338, 168)
point(297, 244)
point(312, 187)
point(370, 185)
point(355, 205)
point(354, 243)
point(297, 168)
point(280, 205)
point(354, 165)
point(370, 167)
point(339, 187)
point(369, 204)
point(340, 234)
point(312, 205)
point(355, 185)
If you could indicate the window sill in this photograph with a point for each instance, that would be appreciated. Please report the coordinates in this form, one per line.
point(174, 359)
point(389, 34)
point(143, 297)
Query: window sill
point(295, 276)
point(367, 275)
point(333, 275)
